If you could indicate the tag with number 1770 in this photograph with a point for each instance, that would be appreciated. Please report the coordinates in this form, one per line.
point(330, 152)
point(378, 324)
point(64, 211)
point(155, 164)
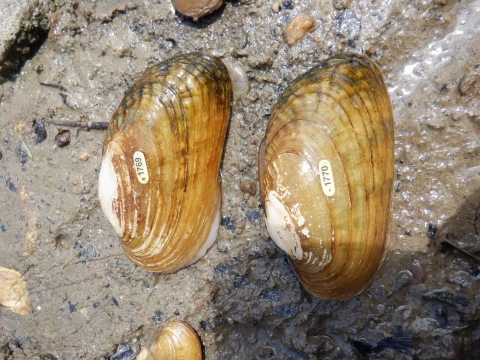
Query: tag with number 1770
point(326, 177)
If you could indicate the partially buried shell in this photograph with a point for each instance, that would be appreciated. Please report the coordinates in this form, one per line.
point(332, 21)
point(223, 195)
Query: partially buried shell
point(159, 180)
point(326, 175)
point(176, 341)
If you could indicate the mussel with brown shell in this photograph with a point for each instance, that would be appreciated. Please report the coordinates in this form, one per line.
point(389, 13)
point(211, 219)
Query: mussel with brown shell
point(159, 180)
point(326, 175)
point(176, 341)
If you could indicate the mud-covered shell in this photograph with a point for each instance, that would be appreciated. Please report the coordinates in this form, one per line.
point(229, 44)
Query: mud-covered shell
point(326, 175)
point(159, 180)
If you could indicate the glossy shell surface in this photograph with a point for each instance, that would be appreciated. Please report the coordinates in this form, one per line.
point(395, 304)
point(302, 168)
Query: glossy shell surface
point(326, 175)
point(196, 8)
point(177, 341)
point(159, 179)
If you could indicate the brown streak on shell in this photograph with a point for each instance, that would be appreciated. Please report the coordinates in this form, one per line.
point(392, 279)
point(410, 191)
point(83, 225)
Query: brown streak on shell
point(176, 115)
point(339, 111)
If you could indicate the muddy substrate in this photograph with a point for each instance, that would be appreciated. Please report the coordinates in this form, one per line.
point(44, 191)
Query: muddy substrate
point(87, 300)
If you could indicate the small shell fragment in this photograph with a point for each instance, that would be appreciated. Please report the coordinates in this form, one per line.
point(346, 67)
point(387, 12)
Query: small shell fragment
point(298, 27)
point(240, 82)
point(13, 291)
point(276, 6)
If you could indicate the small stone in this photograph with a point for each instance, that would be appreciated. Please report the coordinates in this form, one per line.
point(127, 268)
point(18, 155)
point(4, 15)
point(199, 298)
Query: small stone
point(84, 157)
point(63, 138)
point(298, 27)
point(138, 307)
point(248, 187)
point(341, 4)
point(276, 6)
point(432, 229)
point(288, 4)
point(40, 131)
point(19, 127)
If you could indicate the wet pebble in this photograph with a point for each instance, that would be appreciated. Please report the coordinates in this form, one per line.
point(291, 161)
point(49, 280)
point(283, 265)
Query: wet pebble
point(124, 352)
point(288, 4)
point(298, 27)
point(432, 229)
point(341, 4)
point(229, 223)
point(84, 157)
point(63, 138)
point(248, 187)
point(40, 131)
point(276, 6)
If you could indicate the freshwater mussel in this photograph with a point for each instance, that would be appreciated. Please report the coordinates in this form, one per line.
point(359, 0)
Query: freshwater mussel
point(159, 180)
point(326, 175)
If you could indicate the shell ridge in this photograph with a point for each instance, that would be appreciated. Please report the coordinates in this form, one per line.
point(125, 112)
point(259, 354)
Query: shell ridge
point(372, 77)
point(364, 169)
point(366, 262)
point(157, 241)
point(346, 266)
point(353, 89)
point(194, 72)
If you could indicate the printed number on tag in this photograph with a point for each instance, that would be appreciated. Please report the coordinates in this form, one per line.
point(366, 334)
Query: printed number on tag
point(140, 167)
point(326, 177)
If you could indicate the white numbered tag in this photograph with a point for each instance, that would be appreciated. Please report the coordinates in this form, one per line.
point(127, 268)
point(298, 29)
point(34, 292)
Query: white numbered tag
point(326, 177)
point(140, 167)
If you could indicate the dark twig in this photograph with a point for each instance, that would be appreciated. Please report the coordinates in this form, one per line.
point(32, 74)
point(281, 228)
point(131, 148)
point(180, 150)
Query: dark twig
point(98, 125)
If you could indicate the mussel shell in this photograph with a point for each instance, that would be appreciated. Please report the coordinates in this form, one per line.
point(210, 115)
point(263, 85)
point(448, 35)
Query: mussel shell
point(177, 340)
point(159, 181)
point(326, 175)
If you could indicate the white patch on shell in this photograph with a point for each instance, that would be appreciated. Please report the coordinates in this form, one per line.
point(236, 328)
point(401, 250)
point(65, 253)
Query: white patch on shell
point(212, 236)
point(306, 232)
point(297, 215)
point(108, 190)
point(281, 227)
